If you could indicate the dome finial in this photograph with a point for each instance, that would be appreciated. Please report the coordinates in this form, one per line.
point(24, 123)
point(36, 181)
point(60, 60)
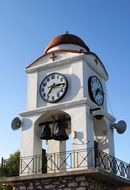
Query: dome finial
point(66, 32)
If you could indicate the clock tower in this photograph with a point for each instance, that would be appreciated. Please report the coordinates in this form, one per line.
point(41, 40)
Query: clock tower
point(66, 101)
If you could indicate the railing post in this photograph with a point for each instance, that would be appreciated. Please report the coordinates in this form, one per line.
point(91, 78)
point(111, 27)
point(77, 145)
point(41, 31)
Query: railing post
point(128, 173)
point(96, 153)
point(2, 163)
point(44, 161)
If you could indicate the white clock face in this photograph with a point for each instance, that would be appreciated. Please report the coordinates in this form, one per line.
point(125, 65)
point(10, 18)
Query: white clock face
point(96, 90)
point(53, 87)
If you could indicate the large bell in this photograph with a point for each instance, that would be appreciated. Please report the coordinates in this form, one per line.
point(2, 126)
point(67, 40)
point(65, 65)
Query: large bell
point(60, 134)
point(46, 133)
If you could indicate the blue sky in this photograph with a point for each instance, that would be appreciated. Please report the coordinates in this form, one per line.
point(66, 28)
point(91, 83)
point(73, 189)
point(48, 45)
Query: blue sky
point(26, 27)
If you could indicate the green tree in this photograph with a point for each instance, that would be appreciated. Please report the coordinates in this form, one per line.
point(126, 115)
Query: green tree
point(1, 186)
point(10, 167)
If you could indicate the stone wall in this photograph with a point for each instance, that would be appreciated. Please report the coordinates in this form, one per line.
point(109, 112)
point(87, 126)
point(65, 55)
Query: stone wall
point(124, 188)
point(80, 182)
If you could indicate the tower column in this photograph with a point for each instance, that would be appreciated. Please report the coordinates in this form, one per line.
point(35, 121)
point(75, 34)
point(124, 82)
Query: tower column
point(82, 137)
point(56, 156)
point(31, 147)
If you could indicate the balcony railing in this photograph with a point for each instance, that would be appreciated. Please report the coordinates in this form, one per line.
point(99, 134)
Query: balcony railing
point(55, 162)
point(71, 160)
point(113, 165)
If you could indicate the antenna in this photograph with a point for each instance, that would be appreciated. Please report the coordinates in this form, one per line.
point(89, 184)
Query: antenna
point(120, 126)
point(16, 123)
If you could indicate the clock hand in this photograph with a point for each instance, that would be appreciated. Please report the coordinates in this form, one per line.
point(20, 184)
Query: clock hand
point(99, 91)
point(51, 87)
point(59, 84)
point(49, 91)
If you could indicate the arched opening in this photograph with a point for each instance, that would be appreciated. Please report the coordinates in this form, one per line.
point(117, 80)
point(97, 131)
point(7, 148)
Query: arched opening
point(55, 121)
point(54, 129)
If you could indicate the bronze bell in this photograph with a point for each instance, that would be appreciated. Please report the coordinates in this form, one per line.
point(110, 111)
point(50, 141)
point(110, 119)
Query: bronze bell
point(46, 133)
point(60, 134)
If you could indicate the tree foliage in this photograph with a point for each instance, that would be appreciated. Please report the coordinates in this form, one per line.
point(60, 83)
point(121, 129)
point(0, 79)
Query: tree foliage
point(1, 186)
point(10, 167)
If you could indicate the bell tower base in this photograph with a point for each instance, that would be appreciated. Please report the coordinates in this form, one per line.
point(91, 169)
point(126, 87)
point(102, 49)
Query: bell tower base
point(90, 179)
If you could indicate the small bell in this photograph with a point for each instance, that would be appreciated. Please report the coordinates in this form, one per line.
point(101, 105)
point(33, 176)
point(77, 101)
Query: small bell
point(60, 134)
point(46, 133)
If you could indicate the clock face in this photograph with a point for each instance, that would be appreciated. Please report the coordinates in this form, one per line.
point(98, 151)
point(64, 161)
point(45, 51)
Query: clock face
point(53, 87)
point(96, 90)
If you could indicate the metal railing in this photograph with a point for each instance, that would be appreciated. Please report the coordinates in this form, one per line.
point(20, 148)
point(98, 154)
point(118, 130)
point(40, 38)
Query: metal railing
point(56, 162)
point(72, 160)
point(113, 165)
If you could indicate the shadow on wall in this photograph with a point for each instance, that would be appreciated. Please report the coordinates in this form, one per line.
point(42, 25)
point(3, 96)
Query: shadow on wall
point(26, 124)
point(73, 89)
point(100, 131)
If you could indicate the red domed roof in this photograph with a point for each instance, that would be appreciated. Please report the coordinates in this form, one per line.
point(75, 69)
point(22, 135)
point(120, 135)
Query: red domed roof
point(67, 39)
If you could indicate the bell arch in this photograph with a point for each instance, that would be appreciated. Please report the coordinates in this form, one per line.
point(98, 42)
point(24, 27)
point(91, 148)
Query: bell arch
point(57, 124)
point(53, 121)
point(49, 115)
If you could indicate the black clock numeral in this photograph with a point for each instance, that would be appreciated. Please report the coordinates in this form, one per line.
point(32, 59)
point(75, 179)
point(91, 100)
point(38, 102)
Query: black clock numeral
point(58, 94)
point(48, 97)
point(52, 76)
point(57, 76)
point(48, 79)
point(62, 90)
point(95, 79)
point(53, 97)
point(42, 89)
point(44, 94)
point(61, 79)
point(44, 84)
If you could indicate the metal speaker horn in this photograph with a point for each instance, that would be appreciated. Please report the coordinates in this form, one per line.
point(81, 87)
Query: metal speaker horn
point(120, 126)
point(60, 134)
point(46, 133)
point(16, 123)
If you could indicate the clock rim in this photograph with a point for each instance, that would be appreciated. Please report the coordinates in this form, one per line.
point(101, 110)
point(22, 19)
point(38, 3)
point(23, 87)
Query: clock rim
point(90, 90)
point(53, 101)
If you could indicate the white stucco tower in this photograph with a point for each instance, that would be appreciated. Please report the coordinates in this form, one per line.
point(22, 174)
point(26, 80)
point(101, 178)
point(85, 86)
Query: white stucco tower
point(67, 82)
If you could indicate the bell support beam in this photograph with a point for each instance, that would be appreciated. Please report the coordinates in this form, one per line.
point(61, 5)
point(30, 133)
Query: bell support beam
point(51, 122)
